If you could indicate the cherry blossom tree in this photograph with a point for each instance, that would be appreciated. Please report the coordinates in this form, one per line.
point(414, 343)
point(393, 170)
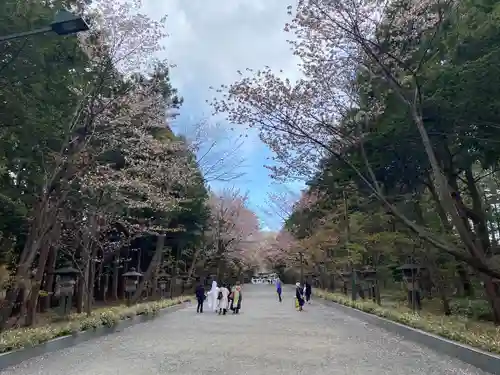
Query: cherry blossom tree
point(308, 199)
point(116, 106)
point(263, 251)
point(280, 203)
point(234, 227)
point(301, 121)
point(282, 248)
point(153, 167)
point(218, 151)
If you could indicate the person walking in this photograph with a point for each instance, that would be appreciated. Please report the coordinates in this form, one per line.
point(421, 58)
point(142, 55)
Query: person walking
point(299, 296)
point(200, 296)
point(278, 288)
point(236, 299)
point(223, 300)
point(213, 297)
point(308, 291)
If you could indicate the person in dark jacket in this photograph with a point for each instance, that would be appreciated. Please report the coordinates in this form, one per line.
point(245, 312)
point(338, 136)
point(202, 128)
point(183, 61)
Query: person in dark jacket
point(200, 296)
point(308, 291)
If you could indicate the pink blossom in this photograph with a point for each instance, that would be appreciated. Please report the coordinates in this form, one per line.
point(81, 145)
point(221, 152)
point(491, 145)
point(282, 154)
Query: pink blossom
point(281, 248)
point(308, 199)
point(234, 228)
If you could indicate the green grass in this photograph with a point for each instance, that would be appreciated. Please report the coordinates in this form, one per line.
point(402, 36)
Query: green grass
point(482, 335)
point(26, 337)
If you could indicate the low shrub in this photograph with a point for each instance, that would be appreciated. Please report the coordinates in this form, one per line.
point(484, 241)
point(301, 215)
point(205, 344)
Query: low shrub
point(109, 317)
point(481, 335)
point(478, 309)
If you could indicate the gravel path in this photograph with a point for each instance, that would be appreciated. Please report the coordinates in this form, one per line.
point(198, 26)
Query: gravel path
point(266, 338)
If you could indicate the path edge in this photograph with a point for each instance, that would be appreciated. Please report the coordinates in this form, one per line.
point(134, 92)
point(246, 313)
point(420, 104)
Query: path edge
point(481, 359)
point(15, 357)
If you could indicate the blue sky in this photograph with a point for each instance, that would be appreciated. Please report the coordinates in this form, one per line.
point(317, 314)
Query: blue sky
point(209, 41)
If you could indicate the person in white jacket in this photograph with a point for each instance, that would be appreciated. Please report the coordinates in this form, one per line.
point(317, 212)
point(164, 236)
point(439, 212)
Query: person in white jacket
point(224, 301)
point(213, 302)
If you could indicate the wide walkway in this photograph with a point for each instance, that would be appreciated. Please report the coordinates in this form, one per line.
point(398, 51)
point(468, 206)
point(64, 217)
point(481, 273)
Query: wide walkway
point(267, 338)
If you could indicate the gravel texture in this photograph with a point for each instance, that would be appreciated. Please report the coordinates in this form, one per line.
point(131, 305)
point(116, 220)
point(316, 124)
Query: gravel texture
point(265, 338)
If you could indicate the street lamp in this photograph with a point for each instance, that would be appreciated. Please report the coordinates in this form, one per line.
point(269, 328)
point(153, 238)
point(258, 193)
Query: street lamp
point(64, 23)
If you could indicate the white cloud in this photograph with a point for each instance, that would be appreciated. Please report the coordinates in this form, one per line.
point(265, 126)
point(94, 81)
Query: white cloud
point(210, 40)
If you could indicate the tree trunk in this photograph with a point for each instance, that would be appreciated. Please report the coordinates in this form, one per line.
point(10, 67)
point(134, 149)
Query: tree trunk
point(49, 280)
point(491, 292)
point(195, 258)
point(483, 244)
point(160, 241)
point(446, 302)
point(115, 278)
point(41, 226)
point(21, 275)
point(439, 209)
point(36, 284)
point(91, 280)
point(103, 283)
point(80, 291)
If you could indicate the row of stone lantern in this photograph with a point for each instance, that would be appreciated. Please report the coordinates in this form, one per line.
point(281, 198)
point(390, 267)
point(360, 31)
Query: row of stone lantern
point(412, 275)
point(366, 275)
point(67, 277)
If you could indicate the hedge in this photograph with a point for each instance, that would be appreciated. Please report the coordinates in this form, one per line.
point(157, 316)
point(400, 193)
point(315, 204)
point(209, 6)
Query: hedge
point(484, 336)
point(25, 337)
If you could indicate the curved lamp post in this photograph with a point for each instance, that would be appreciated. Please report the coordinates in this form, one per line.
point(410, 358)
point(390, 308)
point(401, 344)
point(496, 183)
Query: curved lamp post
point(64, 23)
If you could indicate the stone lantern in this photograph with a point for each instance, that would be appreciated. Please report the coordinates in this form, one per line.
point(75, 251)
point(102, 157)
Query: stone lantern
point(369, 276)
point(352, 277)
point(346, 276)
point(65, 286)
point(131, 282)
point(412, 274)
point(163, 279)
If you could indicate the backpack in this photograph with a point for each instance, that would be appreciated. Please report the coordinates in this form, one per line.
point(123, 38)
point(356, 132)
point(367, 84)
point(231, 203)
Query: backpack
point(219, 296)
